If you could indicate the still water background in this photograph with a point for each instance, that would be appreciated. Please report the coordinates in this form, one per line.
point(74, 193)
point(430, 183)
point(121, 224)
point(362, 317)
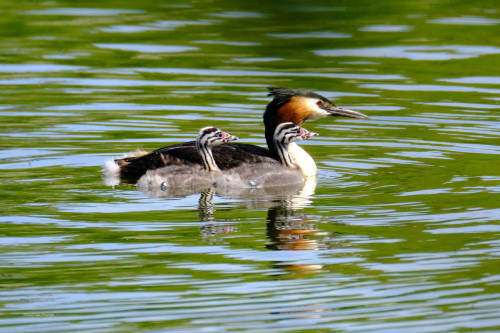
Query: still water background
point(399, 235)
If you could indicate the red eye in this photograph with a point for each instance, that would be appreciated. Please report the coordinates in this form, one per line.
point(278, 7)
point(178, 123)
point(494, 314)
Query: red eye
point(319, 103)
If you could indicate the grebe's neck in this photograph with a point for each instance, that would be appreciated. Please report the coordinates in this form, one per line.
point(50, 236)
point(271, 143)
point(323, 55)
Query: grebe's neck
point(291, 155)
point(302, 160)
point(281, 110)
point(283, 153)
point(270, 124)
point(207, 157)
point(271, 121)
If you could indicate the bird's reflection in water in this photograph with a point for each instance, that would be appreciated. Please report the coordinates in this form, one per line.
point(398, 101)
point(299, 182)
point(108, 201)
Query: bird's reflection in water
point(211, 230)
point(287, 228)
point(206, 205)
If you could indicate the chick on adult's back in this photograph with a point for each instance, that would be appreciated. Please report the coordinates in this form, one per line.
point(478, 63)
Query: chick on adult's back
point(194, 175)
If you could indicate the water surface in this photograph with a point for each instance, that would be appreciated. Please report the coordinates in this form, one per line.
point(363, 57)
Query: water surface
point(399, 234)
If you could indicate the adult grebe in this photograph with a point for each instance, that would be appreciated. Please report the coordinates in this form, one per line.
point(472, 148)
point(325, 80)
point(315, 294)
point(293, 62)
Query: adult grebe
point(288, 105)
point(182, 176)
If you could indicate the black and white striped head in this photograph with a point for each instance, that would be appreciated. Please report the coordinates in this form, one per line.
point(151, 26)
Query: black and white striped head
point(286, 133)
point(212, 136)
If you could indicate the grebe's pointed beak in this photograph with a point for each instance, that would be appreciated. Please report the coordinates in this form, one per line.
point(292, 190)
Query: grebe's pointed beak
point(226, 137)
point(305, 134)
point(336, 111)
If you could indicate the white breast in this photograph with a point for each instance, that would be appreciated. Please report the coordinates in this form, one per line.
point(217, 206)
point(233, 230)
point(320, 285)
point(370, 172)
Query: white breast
point(303, 160)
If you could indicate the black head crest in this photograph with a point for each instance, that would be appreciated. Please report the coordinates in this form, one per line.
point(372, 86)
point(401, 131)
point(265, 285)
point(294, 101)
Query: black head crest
point(282, 95)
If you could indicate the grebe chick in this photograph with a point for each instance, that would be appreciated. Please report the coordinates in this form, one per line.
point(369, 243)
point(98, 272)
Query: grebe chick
point(286, 134)
point(209, 137)
point(193, 175)
point(287, 105)
point(287, 173)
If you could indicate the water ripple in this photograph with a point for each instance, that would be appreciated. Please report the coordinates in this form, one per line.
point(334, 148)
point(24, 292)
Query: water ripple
point(428, 87)
point(421, 52)
point(216, 72)
point(314, 34)
point(225, 42)
point(467, 105)
point(147, 48)
point(134, 106)
point(474, 80)
point(466, 20)
point(386, 28)
point(160, 25)
point(238, 14)
point(113, 82)
point(38, 68)
point(83, 11)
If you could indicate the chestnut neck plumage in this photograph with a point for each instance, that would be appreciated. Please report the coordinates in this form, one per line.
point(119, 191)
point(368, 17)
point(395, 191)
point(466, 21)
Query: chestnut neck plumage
point(272, 118)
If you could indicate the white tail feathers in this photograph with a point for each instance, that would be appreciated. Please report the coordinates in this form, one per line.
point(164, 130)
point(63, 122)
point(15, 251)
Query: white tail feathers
point(111, 168)
point(111, 172)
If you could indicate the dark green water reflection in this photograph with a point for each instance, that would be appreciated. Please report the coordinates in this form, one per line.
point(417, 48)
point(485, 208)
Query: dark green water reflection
point(400, 234)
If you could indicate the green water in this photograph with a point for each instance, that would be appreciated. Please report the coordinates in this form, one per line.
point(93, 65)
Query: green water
point(400, 233)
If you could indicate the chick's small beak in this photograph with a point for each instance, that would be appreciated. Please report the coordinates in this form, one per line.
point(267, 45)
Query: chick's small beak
point(336, 111)
point(305, 134)
point(228, 137)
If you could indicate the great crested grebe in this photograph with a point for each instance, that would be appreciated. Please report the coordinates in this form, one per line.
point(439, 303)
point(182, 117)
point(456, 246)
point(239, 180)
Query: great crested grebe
point(287, 105)
point(270, 174)
point(180, 176)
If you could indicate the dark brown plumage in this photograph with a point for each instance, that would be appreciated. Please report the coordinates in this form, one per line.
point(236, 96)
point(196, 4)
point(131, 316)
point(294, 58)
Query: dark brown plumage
point(227, 156)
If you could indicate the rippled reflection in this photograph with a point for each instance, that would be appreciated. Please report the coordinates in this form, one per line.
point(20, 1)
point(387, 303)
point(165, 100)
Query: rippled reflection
point(318, 34)
point(295, 195)
point(288, 230)
point(83, 11)
point(421, 52)
point(466, 20)
point(386, 28)
point(147, 48)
